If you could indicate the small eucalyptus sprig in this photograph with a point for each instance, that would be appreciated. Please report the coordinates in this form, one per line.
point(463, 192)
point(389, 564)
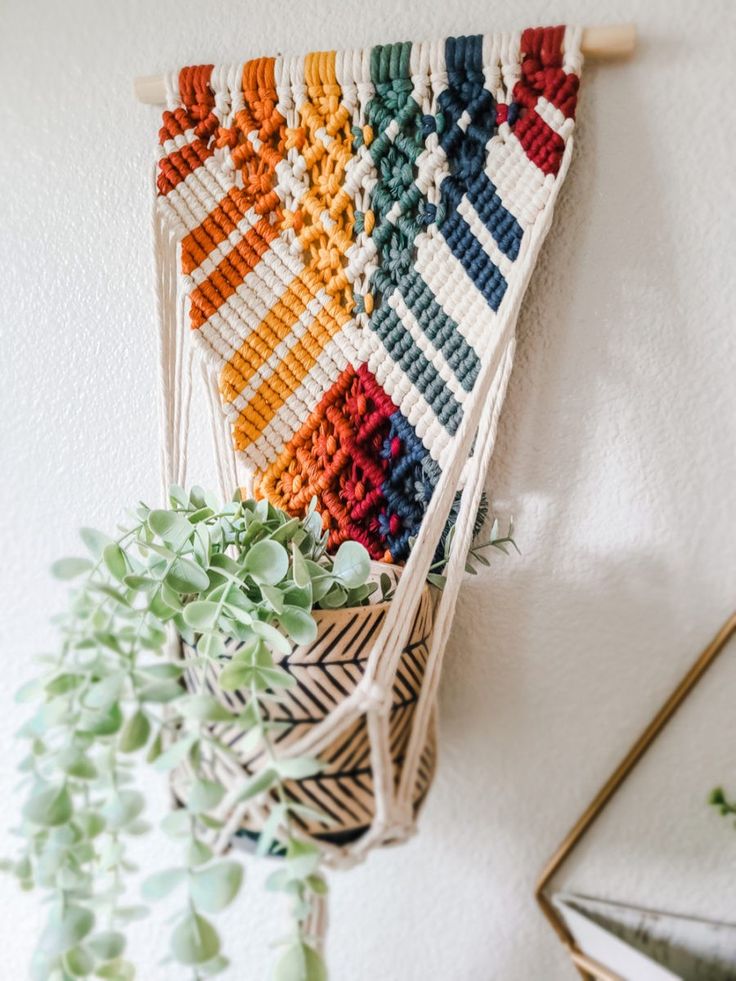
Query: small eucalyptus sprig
point(725, 807)
point(245, 571)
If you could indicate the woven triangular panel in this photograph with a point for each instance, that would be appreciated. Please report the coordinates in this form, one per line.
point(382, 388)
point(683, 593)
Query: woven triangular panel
point(353, 227)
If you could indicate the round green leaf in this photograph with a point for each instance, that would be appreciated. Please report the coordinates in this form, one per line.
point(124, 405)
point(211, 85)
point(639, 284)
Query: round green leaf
point(116, 970)
point(70, 568)
point(204, 796)
point(351, 564)
point(204, 708)
point(201, 615)
point(267, 562)
point(272, 636)
point(160, 884)
point(186, 577)
point(107, 945)
point(122, 808)
point(300, 962)
point(195, 940)
point(103, 723)
point(172, 528)
point(96, 541)
point(49, 808)
point(211, 646)
point(66, 929)
point(299, 625)
point(174, 755)
point(135, 732)
point(234, 676)
point(78, 962)
point(214, 888)
point(114, 559)
point(298, 768)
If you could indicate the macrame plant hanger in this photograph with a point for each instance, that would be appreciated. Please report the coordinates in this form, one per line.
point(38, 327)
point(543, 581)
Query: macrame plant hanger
point(355, 232)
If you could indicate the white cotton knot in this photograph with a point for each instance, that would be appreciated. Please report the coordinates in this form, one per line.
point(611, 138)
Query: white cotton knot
point(374, 699)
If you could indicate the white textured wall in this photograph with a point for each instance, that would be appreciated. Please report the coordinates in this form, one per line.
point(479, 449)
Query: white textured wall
point(616, 457)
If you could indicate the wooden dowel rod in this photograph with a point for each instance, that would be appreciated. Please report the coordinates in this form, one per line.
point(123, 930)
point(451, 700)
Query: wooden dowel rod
point(598, 44)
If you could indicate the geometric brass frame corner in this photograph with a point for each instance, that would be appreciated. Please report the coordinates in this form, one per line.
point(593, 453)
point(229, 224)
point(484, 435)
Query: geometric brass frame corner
point(589, 969)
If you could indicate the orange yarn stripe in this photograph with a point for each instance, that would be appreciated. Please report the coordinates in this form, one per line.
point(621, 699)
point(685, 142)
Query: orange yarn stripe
point(229, 274)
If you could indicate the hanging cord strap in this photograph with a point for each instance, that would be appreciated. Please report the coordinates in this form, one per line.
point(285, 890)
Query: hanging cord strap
point(176, 374)
point(175, 357)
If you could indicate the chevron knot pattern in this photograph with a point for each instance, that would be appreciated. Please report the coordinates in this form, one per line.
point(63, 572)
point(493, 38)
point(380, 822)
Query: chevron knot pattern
point(352, 225)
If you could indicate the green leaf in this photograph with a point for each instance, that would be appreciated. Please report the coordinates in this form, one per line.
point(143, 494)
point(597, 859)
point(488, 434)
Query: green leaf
point(78, 962)
point(273, 596)
point(135, 732)
point(172, 528)
point(318, 885)
point(198, 853)
point(299, 625)
point(49, 808)
point(186, 577)
point(204, 708)
point(267, 562)
point(214, 888)
point(122, 808)
point(129, 914)
point(96, 541)
point(155, 749)
point(211, 646)
point(272, 636)
point(90, 824)
point(257, 784)
point(116, 970)
point(62, 684)
point(104, 693)
point(177, 824)
point(300, 962)
point(195, 940)
point(201, 615)
point(114, 558)
point(204, 796)
point(70, 568)
point(351, 564)
point(29, 692)
point(103, 723)
point(298, 768)
point(74, 762)
point(141, 584)
point(107, 945)
point(161, 692)
point(334, 599)
point(234, 676)
point(161, 884)
point(216, 966)
point(65, 929)
point(302, 858)
point(300, 570)
point(174, 755)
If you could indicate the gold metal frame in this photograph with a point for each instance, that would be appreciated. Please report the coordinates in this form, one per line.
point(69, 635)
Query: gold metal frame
point(589, 969)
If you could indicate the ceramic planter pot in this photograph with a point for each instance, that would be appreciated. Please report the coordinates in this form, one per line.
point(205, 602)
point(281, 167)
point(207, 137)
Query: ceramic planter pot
point(327, 673)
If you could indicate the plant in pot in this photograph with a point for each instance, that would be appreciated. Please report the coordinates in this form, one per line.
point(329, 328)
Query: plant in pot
point(191, 641)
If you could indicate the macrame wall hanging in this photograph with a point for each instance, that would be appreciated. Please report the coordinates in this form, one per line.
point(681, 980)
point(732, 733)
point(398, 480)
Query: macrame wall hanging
point(355, 232)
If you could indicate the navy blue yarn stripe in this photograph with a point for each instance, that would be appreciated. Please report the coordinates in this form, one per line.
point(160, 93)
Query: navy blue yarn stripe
point(466, 155)
point(485, 274)
point(423, 375)
point(505, 229)
point(440, 329)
